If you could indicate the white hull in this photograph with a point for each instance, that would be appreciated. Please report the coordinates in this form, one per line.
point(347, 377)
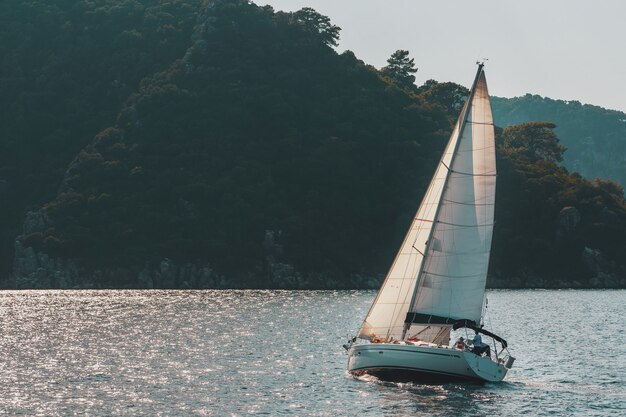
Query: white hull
point(403, 362)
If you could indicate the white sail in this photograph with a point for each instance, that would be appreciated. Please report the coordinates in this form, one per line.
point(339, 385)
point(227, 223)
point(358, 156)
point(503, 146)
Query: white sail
point(453, 279)
point(456, 213)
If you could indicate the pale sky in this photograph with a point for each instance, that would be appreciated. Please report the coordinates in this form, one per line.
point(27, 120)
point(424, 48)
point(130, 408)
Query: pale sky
point(563, 49)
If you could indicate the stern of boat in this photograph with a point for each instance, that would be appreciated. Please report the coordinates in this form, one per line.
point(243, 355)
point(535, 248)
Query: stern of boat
point(485, 368)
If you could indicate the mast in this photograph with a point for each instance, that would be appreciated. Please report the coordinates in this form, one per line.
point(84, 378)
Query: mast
point(463, 121)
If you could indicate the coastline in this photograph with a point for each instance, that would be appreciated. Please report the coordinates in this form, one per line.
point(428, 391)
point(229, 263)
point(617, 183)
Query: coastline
point(193, 277)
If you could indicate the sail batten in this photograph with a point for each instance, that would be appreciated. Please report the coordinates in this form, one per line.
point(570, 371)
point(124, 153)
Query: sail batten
point(441, 267)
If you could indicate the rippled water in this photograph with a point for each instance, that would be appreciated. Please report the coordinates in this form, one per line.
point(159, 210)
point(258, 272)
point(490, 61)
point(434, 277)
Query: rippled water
point(279, 353)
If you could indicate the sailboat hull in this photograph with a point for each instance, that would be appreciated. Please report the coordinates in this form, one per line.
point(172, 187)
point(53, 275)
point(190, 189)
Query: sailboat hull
point(402, 363)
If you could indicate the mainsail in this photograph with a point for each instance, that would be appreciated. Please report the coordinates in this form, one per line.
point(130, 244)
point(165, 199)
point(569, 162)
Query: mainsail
point(440, 271)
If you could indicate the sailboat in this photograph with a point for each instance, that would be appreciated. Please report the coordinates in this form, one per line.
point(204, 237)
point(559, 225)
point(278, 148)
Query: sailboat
point(436, 283)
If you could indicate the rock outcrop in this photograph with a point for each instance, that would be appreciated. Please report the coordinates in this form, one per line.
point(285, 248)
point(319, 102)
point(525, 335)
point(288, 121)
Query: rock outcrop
point(38, 270)
point(568, 220)
point(606, 274)
point(35, 269)
point(169, 274)
point(603, 274)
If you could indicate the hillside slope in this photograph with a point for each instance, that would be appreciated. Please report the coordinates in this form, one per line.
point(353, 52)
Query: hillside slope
point(66, 67)
point(261, 150)
point(595, 137)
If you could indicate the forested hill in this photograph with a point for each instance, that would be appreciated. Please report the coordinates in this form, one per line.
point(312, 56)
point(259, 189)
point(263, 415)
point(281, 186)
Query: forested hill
point(66, 67)
point(595, 137)
point(222, 144)
point(257, 153)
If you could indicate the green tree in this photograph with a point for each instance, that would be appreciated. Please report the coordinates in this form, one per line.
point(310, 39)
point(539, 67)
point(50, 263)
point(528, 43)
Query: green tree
point(535, 140)
point(401, 68)
point(450, 96)
point(613, 188)
point(319, 24)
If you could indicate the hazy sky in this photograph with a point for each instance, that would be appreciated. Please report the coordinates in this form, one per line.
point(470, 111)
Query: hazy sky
point(570, 50)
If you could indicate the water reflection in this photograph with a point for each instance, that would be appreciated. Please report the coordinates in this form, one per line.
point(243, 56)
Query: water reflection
point(279, 353)
point(432, 400)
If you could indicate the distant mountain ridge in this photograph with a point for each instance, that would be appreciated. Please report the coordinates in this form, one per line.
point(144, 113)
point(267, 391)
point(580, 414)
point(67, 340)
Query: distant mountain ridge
point(595, 137)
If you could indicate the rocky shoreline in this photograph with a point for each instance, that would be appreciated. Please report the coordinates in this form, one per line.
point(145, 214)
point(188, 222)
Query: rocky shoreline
point(37, 270)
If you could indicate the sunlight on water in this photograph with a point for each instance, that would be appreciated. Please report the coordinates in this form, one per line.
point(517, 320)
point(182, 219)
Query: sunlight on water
point(279, 353)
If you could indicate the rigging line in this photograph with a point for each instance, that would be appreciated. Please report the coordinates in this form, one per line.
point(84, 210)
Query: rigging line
point(464, 225)
point(443, 253)
point(454, 276)
point(442, 283)
point(466, 204)
point(480, 123)
point(420, 252)
point(475, 149)
point(467, 173)
point(441, 280)
point(473, 175)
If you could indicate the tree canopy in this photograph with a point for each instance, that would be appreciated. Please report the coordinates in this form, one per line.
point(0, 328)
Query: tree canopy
point(534, 140)
point(400, 68)
point(318, 24)
point(450, 96)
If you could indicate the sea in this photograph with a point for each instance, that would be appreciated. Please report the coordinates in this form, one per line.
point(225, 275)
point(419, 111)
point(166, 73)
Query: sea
point(279, 353)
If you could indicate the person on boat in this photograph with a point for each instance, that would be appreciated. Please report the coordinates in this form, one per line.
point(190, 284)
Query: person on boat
point(480, 347)
point(460, 344)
